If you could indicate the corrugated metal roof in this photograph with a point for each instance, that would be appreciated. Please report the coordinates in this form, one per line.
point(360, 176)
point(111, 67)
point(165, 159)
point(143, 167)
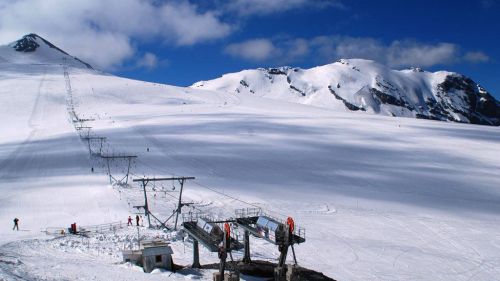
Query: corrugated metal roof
point(154, 251)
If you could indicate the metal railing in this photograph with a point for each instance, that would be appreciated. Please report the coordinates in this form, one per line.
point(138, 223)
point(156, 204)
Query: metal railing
point(248, 212)
point(56, 230)
point(194, 216)
point(99, 228)
point(255, 212)
point(105, 227)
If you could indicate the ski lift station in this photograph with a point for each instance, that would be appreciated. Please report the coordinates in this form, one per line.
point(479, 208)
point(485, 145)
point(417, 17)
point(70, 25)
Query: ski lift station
point(150, 255)
point(205, 230)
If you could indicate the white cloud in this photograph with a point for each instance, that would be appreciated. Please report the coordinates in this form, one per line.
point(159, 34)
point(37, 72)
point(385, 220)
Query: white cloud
point(297, 48)
point(256, 49)
point(263, 7)
point(103, 32)
point(190, 27)
point(149, 61)
point(334, 47)
point(264, 49)
point(399, 53)
point(476, 57)
point(418, 54)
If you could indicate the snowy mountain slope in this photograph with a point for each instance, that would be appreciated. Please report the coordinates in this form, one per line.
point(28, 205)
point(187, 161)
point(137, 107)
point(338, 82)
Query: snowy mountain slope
point(33, 49)
point(362, 85)
point(44, 169)
point(381, 198)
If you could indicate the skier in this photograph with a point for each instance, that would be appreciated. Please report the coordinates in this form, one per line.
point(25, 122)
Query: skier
point(129, 222)
point(137, 220)
point(16, 225)
point(92, 169)
point(148, 149)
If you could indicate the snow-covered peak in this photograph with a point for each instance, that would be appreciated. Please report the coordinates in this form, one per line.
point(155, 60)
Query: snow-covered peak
point(27, 44)
point(34, 49)
point(367, 86)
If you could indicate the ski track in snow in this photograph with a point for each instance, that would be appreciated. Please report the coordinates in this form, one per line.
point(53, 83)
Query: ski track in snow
point(34, 122)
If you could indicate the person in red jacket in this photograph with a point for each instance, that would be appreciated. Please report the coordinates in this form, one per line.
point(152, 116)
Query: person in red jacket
point(291, 224)
point(129, 222)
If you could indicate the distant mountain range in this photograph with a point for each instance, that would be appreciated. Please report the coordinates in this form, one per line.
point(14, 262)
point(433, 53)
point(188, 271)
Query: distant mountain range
point(348, 84)
point(366, 86)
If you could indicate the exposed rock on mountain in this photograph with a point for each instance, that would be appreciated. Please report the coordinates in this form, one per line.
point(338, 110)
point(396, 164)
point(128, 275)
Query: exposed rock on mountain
point(32, 48)
point(366, 86)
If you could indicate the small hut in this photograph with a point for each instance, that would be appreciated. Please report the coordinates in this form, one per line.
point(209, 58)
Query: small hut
point(152, 254)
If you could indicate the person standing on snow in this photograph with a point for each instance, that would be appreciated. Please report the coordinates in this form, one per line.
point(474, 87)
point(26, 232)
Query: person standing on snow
point(129, 221)
point(137, 220)
point(16, 224)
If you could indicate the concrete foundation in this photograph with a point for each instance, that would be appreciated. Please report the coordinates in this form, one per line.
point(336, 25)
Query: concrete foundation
point(291, 273)
point(196, 255)
point(229, 276)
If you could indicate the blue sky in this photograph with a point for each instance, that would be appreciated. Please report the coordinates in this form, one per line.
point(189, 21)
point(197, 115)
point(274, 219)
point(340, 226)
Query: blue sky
point(181, 42)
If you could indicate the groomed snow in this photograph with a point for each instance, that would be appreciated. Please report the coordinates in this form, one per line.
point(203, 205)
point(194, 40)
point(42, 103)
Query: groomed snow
point(381, 198)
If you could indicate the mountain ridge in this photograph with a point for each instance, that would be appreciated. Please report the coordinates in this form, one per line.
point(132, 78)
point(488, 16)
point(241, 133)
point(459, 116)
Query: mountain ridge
point(366, 86)
point(33, 48)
